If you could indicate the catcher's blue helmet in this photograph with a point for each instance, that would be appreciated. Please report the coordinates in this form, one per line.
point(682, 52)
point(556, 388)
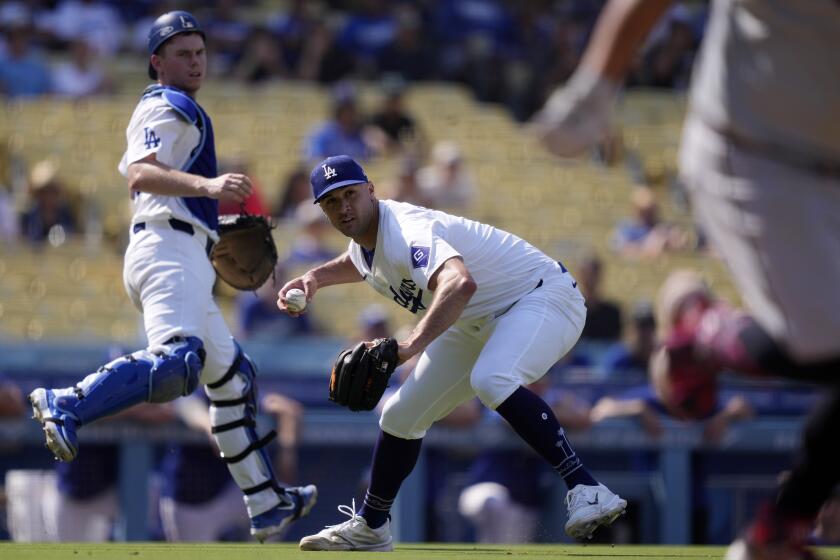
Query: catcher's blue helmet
point(167, 26)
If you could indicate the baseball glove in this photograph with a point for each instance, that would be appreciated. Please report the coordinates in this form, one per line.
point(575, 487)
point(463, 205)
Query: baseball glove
point(245, 255)
point(360, 375)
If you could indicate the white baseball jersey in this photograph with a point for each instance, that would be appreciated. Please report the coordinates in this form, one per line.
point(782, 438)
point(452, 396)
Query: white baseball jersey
point(156, 128)
point(413, 242)
point(768, 72)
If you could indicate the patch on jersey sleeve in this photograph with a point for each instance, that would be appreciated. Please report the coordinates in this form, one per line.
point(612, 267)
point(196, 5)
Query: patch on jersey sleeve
point(152, 140)
point(419, 256)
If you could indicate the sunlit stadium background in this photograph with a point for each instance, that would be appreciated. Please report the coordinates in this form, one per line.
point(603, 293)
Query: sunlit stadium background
point(471, 73)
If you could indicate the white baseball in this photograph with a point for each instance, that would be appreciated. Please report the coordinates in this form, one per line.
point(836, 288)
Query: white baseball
point(295, 300)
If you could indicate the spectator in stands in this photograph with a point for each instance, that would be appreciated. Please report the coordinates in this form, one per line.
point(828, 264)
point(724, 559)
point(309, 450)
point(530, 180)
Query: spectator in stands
point(603, 317)
point(227, 34)
point(446, 182)
point(292, 28)
point(95, 20)
point(322, 59)
point(295, 191)
point(49, 214)
point(668, 60)
point(288, 416)
point(409, 55)
point(509, 487)
point(22, 71)
point(366, 33)
point(199, 501)
point(81, 75)
point(254, 204)
point(643, 403)
point(396, 128)
point(258, 317)
point(404, 187)
point(35, 15)
point(529, 54)
point(633, 354)
point(309, 246)
point(472, 34)
point(646, 235)
point(262, 58)
point(342, 134)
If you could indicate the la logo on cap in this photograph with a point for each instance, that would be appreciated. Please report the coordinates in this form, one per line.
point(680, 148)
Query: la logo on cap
point(329, 172)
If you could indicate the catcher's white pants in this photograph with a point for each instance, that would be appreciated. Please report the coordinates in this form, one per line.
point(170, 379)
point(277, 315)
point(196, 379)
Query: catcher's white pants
point(491, 357)
point(170, 280)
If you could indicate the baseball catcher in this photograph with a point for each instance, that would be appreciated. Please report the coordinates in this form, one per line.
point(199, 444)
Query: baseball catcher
point(360, 374)
point(245, 255)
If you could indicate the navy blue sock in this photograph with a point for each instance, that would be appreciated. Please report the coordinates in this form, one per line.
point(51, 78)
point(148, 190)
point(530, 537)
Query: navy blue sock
point(535, 422)
point(393, 460)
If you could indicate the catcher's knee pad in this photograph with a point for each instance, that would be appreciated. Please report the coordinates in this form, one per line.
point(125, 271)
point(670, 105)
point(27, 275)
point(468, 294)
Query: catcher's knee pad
point(158, 374)
point(177, 370)
point(233, 420)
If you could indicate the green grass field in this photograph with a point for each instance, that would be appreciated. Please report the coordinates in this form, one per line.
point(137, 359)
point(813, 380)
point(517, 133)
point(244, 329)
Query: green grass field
point(408, 551)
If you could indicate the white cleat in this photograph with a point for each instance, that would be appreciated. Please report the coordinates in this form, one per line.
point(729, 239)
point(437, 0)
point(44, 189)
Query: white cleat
point(590, 507)
point(276, 520)
point(59, 428)
point(353, 534)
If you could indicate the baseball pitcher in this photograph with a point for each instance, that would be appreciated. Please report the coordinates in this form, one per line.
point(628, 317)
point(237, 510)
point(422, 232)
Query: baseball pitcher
point(495, 314)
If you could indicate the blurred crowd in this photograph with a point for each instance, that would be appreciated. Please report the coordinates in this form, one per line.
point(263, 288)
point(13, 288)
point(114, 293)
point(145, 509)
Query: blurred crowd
point(506, 52)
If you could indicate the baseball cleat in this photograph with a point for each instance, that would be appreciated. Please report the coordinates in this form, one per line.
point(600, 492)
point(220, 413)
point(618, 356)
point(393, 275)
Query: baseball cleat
point(278, 518)
point(59, 427)
point(353, 534)
point(590, 507)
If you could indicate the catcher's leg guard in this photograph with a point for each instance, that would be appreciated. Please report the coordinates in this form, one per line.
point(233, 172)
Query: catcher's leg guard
point(233, 411)
point(158, 374)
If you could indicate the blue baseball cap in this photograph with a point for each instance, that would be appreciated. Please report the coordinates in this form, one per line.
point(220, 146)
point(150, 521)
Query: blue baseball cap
point(334, 173)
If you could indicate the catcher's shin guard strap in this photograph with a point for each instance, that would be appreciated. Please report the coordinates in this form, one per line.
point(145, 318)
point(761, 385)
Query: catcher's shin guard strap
point(241, 423)
point(231, 402)
point(233, 414)
point(237, 363)
point(262, 486)
point(254, 446)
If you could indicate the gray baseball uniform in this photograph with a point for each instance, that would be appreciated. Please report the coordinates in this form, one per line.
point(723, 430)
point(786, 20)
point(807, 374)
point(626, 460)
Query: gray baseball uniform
point(761, 157)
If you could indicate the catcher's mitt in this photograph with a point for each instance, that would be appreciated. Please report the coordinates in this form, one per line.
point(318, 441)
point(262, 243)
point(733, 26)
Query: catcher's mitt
point(245, 255)
point(360, 375)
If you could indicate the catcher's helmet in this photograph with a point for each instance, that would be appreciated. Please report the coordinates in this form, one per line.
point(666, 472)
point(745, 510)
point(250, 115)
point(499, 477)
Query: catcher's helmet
point(167, 26)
